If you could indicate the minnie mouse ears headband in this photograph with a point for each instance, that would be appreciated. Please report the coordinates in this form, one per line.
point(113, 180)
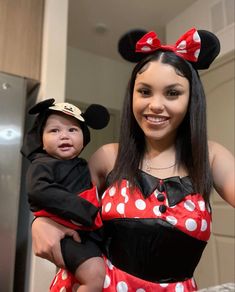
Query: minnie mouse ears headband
point(199, 47)
point(96, 116)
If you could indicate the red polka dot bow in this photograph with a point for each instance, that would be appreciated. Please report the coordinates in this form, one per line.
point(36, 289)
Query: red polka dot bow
point(188, 45)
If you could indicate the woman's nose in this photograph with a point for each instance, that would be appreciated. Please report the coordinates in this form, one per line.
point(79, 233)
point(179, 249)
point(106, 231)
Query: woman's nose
point(156, 104)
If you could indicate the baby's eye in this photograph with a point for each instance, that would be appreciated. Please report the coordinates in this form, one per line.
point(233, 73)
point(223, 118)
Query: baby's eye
point(54, 130)
point(73, 129)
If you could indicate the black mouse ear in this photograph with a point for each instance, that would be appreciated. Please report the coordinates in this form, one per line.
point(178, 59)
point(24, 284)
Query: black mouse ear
point(126, 45)
point(41, 106)
point(96, 116)
point(210, 49)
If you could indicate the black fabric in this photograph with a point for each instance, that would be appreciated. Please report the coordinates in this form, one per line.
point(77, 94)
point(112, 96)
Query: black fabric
point(54, 185)
point(75, 253)
point(152, 249)
point(176, 188)
point(32, 144)
point(96, 116)
point(126, 45)
point(210, 49)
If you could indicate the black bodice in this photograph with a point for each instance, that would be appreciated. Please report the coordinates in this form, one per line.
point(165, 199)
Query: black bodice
point(152, 249)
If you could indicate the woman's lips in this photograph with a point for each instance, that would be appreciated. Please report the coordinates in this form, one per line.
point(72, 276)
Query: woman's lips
point(156, 120)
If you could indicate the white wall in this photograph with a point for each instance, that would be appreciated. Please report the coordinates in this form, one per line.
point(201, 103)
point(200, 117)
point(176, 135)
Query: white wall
point(96, 79)
point(200, 15)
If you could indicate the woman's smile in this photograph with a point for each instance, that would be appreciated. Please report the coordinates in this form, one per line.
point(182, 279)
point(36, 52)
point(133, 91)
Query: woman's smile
point(157, 120)
point(160, 101)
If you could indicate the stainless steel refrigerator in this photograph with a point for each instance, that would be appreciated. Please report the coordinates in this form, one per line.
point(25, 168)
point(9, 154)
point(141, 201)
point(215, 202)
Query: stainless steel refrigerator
point(15, 97)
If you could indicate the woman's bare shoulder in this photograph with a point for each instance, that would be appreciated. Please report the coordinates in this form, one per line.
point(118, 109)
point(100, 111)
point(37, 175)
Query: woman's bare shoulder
point(222, 164)
point(107, 152)
point(216, 149)
point(102, 162)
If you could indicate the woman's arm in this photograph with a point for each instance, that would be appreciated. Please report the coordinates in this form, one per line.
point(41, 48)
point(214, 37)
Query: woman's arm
point(101, 163)
point(223, 172)
point(46, 236)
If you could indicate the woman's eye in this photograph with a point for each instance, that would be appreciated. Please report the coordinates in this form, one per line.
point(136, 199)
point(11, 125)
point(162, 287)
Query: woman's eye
point(144, 91)
point(173, 93)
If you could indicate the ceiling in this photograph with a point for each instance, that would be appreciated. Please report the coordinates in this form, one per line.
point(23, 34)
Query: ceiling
point(96, 25)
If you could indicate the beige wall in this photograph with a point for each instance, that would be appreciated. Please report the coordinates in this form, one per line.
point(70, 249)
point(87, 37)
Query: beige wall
point(92, 78)
point(200, 15)
point(53, 85)
point(54, 50)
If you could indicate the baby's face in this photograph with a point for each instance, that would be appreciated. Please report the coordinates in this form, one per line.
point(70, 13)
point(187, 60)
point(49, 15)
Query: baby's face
point(62, 136)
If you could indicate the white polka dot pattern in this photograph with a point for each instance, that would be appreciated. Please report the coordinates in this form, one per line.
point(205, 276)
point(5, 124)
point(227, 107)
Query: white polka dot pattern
point(179, 287)
point(64, 275)
point(202, 205)
point(204, 225)
point(107, 207)
point(190, 224)
point(140, 204)
point(112, 191)
point(107, 281)
point(196, 37)
point(182, 45)
point(109, 264)
point(164, 285)
point(120, 208)
point(156, 211)
point(172, 220)
point(189, 205)
point(190, 215)
point(122, 287)
point(150, 41)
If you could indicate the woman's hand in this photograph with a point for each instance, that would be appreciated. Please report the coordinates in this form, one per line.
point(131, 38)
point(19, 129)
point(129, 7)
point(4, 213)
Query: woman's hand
point(46, 236)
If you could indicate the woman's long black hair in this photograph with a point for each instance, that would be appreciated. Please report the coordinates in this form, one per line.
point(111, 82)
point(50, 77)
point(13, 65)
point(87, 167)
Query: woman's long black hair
point(191, 141)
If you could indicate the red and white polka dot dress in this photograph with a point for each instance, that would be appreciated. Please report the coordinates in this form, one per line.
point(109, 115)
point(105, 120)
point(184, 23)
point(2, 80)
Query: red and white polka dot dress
point(189, 215)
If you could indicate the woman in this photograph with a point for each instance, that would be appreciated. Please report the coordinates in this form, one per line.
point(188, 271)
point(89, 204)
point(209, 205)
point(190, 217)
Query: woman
point(157, 181)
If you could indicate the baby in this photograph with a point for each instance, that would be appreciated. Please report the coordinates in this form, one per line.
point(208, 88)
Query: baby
point(59, 184)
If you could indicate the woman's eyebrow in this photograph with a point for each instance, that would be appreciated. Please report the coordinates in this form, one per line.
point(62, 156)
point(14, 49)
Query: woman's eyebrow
point(174, 85)
point(143, 84)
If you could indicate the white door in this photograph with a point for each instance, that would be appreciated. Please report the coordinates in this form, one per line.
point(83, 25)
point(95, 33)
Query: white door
point(217, 263)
